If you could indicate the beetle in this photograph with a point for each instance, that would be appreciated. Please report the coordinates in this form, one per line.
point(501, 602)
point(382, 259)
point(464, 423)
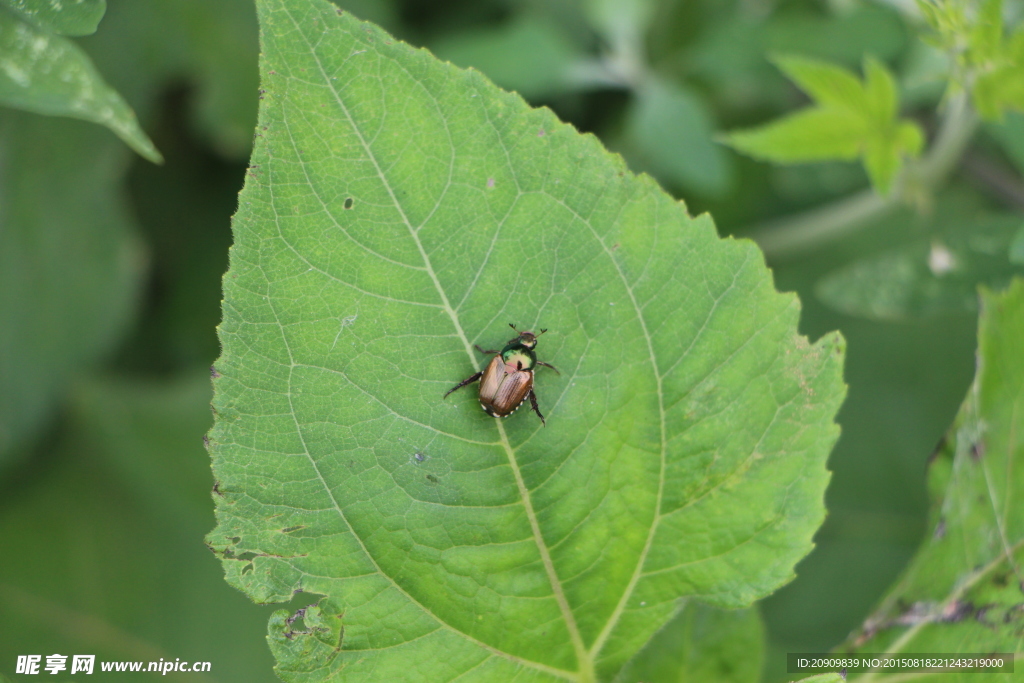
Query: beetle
point(507, 381)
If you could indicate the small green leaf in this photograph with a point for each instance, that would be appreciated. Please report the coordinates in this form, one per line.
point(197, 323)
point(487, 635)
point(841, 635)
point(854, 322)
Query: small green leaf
point(69, 17)
point(909, 138)
point(827, 84)
point(851, 119)
point(701, 644)
point(673, 130)
point(962, 592)
point(882, 94)
point(985, 39)
point(998, 90)
point(807, 135)
point(401, 210)
point(48, 74)
point(882, 162)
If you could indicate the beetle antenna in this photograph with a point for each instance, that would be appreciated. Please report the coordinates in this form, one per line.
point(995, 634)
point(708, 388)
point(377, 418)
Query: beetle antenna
point(513, 326)
point(543, 330)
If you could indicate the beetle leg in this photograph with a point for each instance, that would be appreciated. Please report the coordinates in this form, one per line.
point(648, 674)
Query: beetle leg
point(533, 404)
point(489, 353)
point(468, 380)
point(549, 365)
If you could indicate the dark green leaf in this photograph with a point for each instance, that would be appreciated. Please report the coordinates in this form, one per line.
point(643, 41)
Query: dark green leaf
point(69, 262)
point(122, 503)
point(401, 210)
point(1017, 248)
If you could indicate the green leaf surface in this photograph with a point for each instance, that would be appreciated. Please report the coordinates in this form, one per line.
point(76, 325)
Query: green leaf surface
point(400, 210)
point(47, 74)
point(701, 644)
point(66, 17)
point(70, 262)
point(928, 276)
point(962, 592)
point(673, 130)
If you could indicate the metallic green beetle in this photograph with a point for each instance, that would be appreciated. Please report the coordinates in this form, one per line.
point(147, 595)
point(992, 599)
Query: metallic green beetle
point(508, 379)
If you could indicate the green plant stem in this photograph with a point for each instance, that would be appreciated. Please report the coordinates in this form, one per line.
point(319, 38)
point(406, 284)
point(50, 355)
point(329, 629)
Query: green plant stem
point(791, 235)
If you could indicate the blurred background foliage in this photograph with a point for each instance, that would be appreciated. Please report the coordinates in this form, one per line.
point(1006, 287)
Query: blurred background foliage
point(110, 273)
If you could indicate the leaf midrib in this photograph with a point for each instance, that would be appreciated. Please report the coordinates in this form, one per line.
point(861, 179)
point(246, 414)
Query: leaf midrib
point(567, 614)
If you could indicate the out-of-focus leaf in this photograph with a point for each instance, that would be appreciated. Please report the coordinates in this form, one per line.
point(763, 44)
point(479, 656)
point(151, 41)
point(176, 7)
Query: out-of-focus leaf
point(829, 85)
point(122, 502)
point(850, 118)
point(1017, 248)
point(47, 74)
point(674, 132)
point(808, 135)
point(623, 23)
point(730, 56)
point(529, 55)
point(962, 592)
point(67, 17)
point(926, 277)
point(1009, 132)
point(997, 90)
point(881, 91)
point(402, 210)
point(69, 262)
point(882, 162)
point(701, 644)
point(145, 47)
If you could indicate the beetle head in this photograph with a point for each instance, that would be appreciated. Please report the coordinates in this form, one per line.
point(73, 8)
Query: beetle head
point(526, 338)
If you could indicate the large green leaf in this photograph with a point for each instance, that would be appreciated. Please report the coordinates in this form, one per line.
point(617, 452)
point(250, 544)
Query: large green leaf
point(962, 593)
point(400, 210)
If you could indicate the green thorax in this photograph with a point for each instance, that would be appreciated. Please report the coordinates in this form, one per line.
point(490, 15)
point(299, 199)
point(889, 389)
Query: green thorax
point(515, 352)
